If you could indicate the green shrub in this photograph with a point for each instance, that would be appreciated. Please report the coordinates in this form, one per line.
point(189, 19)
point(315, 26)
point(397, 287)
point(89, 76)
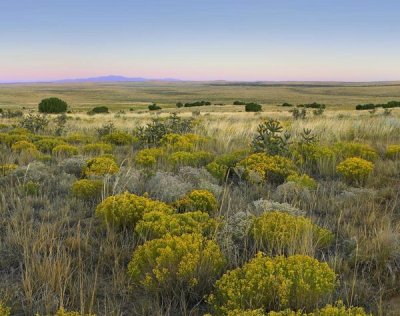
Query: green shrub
point(78, 138)
point(355, 170)
point(119, 138)
point(52, 105)
point(7, 169)
point(99, 109)
point(176, 265)
point(126, 209)
point(46, 145)
point(154, 107)
point(350, 149)
point(393, 151)
point(273, 284)
point(97, 149)
point(194, 158)
point(148, 157)
point(101, 166)
point(252, 107)
point(281, 233)
point(31, 188)
point(270, 138)
point(157, 224)
point(65, 151)
point(221, 165)
point(303, 181)
point(177, 142)
point(86, 189)
point(9, 139)
point(24, 146)
point(198, 200)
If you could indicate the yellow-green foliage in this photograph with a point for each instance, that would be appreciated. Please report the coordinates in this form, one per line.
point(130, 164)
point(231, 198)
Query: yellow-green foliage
point(31, 188)
point(195, 158)
point(282, 233)
point(261, 167)
point(78, 139)
point(250, 312)
point(9, 139)
point(63, 312)
point(157, 224)
point(87, 189)
point(24, 146)
point(148, 158)
point(7, 168)
point(355, 170)
point(65, 150)
point(273, 284)
point(119, 138)
point(219, 167)
point(46, 145)
point(350, 149)
point(101, 166)
point(393, 152)
point(97, 149)
point(177, 142)
point(340, 310)
point(303, 181)
point(4, 311)
point(188, 263)
point(127, 209)
point(198, 200)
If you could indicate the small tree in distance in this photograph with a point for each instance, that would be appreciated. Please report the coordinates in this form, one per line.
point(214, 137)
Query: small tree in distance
point(53, 105)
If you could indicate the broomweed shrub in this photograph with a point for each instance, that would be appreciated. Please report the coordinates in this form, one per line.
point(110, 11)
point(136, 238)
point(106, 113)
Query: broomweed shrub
point(261, 167)
point(187, 264)
point(198, 200)
point(24, 146)
point(178, 142)
point(157, 224)
point(101, 166)
point(4, 311)
point(393, 152)
point(63, 312)
point(303, 181)
point(273, 284)
point(65, 151)
point(87, 189)
point(347, 150)
point(194, 159)
point(148, 158)
point(119, 138)
point(78, 138)
point(283, 233)
point(97, 149)
point(9, 140)
point(46, 145)
point(6, 169)
point(126, 209)
point(355, 170)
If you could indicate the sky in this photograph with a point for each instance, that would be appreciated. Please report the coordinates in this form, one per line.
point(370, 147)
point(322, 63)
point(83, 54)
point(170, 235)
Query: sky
point(239, 40)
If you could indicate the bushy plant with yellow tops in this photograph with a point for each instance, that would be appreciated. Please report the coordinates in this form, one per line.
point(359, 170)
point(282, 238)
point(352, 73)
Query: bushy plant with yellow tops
point(339, 309)
point(261, 167)
point(101, 166)
point(65, 151)
point(181, 142)
point(351, 149)
point(6, 169)
point(148, 157)
point(97, 149)
point(275, 283)
point(46, 145)
point(87, 189)
point(198, 200)
point(4, 310)
point(303, 181)
point(157, 224)
point(126, 209)
point(220, 166)
point(355, 170)
point(177, 265)
point(393, 152)
point(78, 138)
point(194, 158)
point(10, 139)
point(249, 312)
point(280, 233)
point(24, 146)
point(63, 312)
point(119, 138)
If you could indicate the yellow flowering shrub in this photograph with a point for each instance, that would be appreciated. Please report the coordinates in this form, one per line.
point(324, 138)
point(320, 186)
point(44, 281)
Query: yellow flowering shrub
point(9, 140)
point(198, 200)
point(351, 149)
point(282, 233)
point(87, 189)
point(119, 138)
point(78, 138)
point(46, 145)
point(24, 146)
point(273, 284)
point(127, 209)
point(304, 181)
point(63, 312)
point(4, 311)
point(177, 264)
point(340, 310)
point(220, 166)
point(355, 170)
point(393, 151)
point(101, 166)
point(7, 168)
point(261, 167)
point(148, 157)
point(194, 158)
point(97, 149)
point(178, 142)
point(157, 224)
point(65, 150)
point(249, 312)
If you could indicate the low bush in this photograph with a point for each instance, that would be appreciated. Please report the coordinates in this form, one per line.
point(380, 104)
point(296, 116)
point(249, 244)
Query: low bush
point(99, 109)
point(119, 138)
point(185, 142)
point(297, 282)
point(6, 169)
point(53, 105)
point(97, 149)
point(355, 170)
point(253, 107)
point(126, 209)
point(351, 149)
point(46, 145)
point(303, 181)
point(176, 266)
point(87, 189)
point(198, 200)
point(148, 157)
point(194, 158)
point(393, 152)
point(23, 146)
point(65, 151)
point(78, 138)
point(63, 312)
point(154, 107)
point(4, 311)
point(221, 165)
point(282, 233)
point(101, 166)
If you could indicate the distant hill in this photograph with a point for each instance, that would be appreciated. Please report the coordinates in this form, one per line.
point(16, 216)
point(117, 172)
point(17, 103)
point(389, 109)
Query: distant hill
point(113, 78)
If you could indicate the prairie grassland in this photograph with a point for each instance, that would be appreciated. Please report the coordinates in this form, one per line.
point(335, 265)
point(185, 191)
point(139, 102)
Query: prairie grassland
point(57, 248)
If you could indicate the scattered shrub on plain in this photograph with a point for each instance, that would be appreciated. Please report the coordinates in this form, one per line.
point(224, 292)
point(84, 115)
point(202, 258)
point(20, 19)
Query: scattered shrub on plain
point(65, 151)
point(53, 105)
point(198, 200)
point(148, 157)
point(355, 170)
point(101, 166)
point(304, 181)
point(119, 138)
point(87, 189)
point(97, 149)
point(193, 158)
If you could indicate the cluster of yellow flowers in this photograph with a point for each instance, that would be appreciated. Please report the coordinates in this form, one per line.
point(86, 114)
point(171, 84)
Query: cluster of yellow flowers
point(274, 284)
point(185, 142)
point(65, 151)
point(87, 189)
point(119, 138)
point(4, 311)
point(304, 181)
point(7, 168)
point(351, 149)
point(198, 200)
point(186, 158)
point(97, 149)
point(355, 170)
point(100, 166)
point(393, 151)
point(47, 144)
point(76, 138)
point(282, 233)
point(148, 157)
point(127, 209)
point(10, 139)
point(24, 146)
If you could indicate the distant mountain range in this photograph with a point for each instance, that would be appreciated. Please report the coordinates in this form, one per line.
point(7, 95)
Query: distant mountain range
point(112, 78)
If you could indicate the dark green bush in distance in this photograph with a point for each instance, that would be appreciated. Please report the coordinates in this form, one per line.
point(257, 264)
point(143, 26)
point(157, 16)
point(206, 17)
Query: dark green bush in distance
point(179, 105)
point(53, 105)
point(368, 106)
point(253, 107)
point(313, 105)
point(371, 106)
point(239, 103)
point(286, 104)
point(99, 109)
point(197, 103)
point(154, 107)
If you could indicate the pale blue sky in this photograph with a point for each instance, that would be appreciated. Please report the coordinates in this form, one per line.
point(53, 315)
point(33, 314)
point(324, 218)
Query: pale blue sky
point(353, 40)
